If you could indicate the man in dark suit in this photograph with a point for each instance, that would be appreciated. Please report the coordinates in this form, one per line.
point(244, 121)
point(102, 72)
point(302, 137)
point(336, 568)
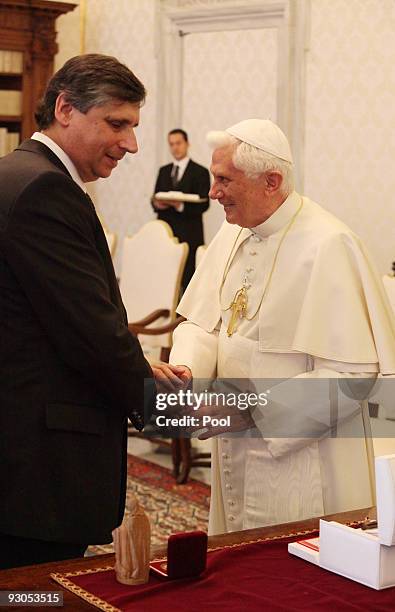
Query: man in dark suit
point(185, 218)
point(71, 373)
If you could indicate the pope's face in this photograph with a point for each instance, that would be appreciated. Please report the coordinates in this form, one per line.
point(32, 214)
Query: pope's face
point(244, 199)
point(98, 139)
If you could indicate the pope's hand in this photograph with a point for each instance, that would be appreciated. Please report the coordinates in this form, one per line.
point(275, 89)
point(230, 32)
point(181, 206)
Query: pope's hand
point(239, 420)
point(170, 378)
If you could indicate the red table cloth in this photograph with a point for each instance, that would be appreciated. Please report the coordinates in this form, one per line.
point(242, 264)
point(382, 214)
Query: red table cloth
point(255, 577)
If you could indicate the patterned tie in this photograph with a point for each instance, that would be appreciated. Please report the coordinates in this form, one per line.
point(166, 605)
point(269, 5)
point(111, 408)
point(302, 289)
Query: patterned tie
point(174, 175)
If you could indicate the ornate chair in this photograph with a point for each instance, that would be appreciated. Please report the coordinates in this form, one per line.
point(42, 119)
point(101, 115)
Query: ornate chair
point(189, 453)
point(111, 237)
point(152, 266)
point(111, 241)
point(153, 262)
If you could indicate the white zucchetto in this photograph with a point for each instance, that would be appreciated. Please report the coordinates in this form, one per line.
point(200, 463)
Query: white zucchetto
point(263, 134)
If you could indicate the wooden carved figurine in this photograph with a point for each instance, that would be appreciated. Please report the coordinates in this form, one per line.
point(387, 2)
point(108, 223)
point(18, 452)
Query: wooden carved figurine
point(132, 547)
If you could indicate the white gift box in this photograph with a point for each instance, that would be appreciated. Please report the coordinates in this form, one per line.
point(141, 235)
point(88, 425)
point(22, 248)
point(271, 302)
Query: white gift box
point(385, 495)
point(306, 549)
point(356, 554)
point(366, 556)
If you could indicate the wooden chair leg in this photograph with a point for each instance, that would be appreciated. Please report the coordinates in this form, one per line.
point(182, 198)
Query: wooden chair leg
point(164, 354)
point(186, 460)
point(176, 456)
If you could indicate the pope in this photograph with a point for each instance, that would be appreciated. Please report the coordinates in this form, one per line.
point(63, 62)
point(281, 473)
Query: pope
point(285, 290)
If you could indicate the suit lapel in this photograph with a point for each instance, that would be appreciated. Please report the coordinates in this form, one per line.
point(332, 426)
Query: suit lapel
point(187, 173)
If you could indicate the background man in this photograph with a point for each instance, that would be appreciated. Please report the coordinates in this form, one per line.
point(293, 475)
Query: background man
point(285, 290)
point(185, 218)
point(71, 373)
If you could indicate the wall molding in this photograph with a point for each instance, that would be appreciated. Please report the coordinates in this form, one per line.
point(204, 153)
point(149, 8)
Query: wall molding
point(224, 17)
point(291, 20)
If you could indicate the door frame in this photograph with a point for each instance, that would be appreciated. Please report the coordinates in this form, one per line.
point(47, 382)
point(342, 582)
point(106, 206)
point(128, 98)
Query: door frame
point(291, 18)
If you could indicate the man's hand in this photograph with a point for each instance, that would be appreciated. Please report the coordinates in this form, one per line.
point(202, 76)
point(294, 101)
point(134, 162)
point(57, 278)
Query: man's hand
point(161, 204)
point(175, 204)
point(170, 378)
point(165, 204)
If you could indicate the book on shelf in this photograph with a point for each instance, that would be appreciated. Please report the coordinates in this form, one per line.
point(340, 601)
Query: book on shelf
point(8, 141)
point(11, 61)
point(13, 141)
point(10, 102)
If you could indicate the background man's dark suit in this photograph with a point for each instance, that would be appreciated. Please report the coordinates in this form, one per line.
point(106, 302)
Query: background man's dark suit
point(188, 224)
point(71, 372)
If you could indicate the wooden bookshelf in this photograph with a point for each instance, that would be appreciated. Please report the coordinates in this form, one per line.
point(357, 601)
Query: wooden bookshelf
point(28, 27)
point(11, 119)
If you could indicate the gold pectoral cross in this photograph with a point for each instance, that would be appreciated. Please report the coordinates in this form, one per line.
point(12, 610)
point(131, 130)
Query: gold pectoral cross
point(238, 308)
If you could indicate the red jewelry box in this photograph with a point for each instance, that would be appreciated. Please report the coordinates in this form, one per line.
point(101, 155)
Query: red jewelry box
point(186, 556)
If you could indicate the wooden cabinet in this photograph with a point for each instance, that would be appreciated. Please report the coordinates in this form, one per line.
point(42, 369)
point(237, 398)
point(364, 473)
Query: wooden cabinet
point(28, 40)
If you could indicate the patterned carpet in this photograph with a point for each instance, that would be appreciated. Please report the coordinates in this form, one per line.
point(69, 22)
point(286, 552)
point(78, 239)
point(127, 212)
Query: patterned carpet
point(169, 506)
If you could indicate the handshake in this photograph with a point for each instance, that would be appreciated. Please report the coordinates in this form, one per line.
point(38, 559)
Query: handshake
point(216, 419)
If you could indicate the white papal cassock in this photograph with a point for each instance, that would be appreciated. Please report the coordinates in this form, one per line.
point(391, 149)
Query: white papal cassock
point(325, 314)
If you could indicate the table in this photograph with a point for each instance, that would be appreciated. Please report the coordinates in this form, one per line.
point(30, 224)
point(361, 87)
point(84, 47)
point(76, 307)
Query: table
point(37, 577)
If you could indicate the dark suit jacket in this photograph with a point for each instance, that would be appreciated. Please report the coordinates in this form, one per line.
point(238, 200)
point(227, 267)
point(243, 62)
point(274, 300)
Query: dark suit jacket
point(187, 225)
point(71, 373)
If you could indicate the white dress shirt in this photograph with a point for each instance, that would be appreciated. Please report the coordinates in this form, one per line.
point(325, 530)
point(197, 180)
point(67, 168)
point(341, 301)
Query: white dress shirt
point(182, 164)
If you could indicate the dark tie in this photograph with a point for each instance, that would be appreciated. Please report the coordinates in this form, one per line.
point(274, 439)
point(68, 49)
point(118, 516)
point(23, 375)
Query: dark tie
point(174, 175)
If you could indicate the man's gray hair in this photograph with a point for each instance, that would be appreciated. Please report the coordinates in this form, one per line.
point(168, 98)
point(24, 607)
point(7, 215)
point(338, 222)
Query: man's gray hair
point(252, 161)
point(86, 81)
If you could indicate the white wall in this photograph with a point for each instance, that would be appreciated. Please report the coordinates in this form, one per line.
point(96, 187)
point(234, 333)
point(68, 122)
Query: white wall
point(350, 118)
point(68, 35)
point(125, 29)
point(350, 110)
point(227, 76)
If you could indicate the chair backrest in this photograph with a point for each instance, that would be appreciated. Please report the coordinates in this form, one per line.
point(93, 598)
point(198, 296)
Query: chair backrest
point(111, 241)
point(389, 286)
point(110, 237)
point(200, 252)
point(153, 262)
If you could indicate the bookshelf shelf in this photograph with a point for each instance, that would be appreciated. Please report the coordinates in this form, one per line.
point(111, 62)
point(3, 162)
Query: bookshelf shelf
point(10, 81)
point(10, 119)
